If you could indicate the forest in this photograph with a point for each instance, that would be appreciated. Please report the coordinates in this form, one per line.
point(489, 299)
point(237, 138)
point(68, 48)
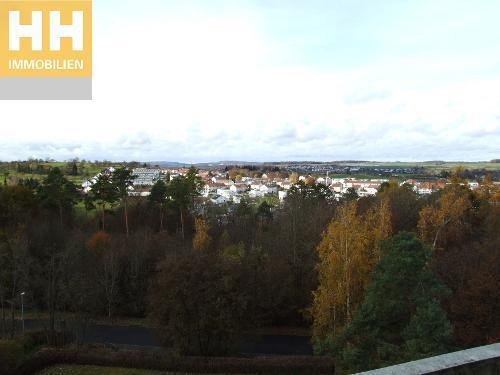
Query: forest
point(378, 280)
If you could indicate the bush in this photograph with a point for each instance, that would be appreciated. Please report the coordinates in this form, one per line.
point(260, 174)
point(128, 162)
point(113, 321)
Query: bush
point(11, 355)
point(15, 354)
point(160, 361)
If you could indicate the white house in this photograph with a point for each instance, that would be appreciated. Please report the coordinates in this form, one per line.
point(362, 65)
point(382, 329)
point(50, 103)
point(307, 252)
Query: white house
point(473, 185)
point(337, 187)
point(255, 194)
point(224, 192)
point(220, 180)
point(211, 188)
point(282, 195)
point(321, 180)
point(238, 188)
point(366, 191)
point(269, 189)
point(287, 185)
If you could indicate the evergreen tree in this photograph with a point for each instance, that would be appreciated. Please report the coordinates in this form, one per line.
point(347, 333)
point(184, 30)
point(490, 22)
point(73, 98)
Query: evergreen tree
point(103, 192)
point(123, 179)
point(158, 197)
point(400, 318)
point(56, 192)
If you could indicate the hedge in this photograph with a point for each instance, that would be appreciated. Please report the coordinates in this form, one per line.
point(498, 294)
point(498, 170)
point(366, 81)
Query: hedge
point(152, 359)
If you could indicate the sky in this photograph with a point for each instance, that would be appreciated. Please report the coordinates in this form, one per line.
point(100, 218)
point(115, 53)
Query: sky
point(271, 80)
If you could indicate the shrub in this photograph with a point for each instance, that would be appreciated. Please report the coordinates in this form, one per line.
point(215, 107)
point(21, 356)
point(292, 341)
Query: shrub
point(15, 354)
point(11, 355)
point(162, 361)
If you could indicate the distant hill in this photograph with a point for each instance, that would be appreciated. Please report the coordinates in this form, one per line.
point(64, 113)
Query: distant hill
point(169, 164)
point(175, 164)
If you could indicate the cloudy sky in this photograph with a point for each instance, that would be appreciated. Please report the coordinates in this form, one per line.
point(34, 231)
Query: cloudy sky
point(261, 80)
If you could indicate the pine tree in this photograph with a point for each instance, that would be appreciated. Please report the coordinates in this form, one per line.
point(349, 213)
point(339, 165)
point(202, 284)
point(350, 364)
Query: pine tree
point(400, 318)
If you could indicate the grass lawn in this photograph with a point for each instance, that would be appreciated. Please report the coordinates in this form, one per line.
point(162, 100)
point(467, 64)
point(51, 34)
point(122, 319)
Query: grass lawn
point(91, 370)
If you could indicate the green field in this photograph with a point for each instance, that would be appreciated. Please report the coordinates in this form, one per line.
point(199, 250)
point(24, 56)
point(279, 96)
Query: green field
point(431, 167)
point(86, 170)
point(93, 370)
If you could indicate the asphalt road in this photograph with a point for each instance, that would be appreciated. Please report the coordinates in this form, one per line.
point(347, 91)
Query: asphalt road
point(144, 337)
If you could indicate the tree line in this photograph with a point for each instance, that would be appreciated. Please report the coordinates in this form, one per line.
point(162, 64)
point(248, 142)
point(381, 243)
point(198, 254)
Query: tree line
point(379, 279)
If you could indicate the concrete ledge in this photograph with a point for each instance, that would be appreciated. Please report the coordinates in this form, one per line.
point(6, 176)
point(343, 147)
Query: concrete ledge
point(483, 360)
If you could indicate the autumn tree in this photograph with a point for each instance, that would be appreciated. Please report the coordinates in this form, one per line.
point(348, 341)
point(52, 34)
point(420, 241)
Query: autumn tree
point(462, 226)
point(348, 252)
point(294, 177)
point(449, 220)
point(201, 240)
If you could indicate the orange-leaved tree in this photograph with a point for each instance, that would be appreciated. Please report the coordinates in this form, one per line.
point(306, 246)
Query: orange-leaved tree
point(348, 252)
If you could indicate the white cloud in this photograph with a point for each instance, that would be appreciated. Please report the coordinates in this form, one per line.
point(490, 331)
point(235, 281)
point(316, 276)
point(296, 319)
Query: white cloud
point(193, 85)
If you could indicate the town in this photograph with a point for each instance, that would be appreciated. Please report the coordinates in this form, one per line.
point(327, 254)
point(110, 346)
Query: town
point(221, 187)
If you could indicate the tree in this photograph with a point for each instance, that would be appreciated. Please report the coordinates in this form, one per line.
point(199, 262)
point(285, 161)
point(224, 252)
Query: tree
point(467, 260)
point(457, 175)
point(17, 204)
point(123, 179)
point(58, 193)
point(5, 176)
point(400, 318)
point(201, 240)
point(294, 177)
point(158, 197)
point(104, 192)
point(264, 211)
point(472, 272)
point(107, 269)
point(14, 271)
point(348, 252)
point(350, 195)
point(447, 221)
point(178, 191)
point(182, 190)
point(403, 203)
point(198, 304)
point(195, 183)
point(72, 168)
point(48, 244)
